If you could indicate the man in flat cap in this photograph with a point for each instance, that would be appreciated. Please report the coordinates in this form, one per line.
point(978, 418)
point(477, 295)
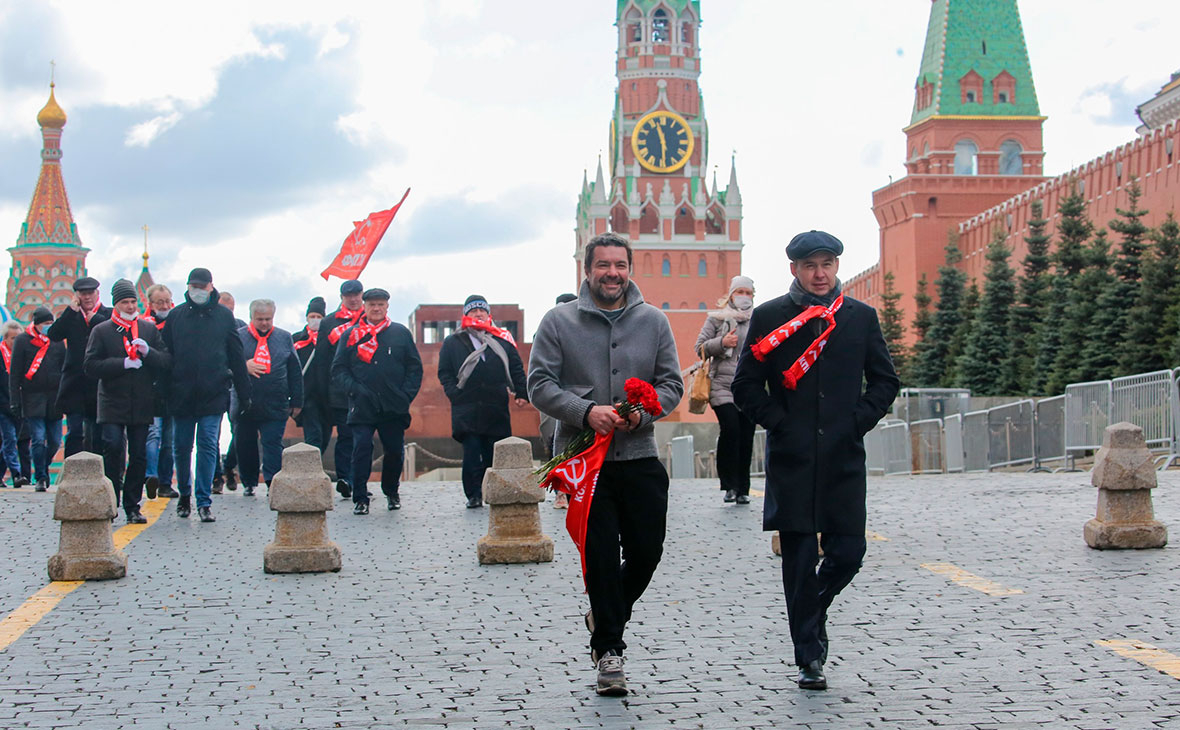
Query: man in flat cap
point(126, 355)
point(478, 365)
point(34, 376)
point(377, 366)
point(799, 376)
point(77, 396)
point(206, 357)
point(324, 393)
point(312, 419)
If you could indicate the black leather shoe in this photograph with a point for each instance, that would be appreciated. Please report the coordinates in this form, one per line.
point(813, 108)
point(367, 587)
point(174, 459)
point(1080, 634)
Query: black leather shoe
point(361, 508)
point(344, 488)
point(394, 502)
point(231, 480)
point(136, 518)
point(730, 495)
point(167, 492)
point(42, 485)
point(206, 514)
point(474, 502)
point(218, 483)
point(247, 491)
point(184, 507)
point(152, 487)
point(743, 499)
point(812, 676)
point(19, 482)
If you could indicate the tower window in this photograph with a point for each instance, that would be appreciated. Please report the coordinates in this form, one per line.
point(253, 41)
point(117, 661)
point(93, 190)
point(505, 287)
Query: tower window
point(666, 269)
point(970, 97)
point(1002, 97)
point(966, 157)
point(659, 27)
point(1011, 160)
point(665, 306)
point(702, 267)
point(971, 88)
point(983, 44)
point(686, 33)
point(636, 33)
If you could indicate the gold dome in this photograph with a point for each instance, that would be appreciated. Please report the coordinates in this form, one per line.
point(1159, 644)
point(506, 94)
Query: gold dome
point(51, 115)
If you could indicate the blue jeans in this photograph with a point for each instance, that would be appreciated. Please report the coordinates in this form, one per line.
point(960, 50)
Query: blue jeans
point(249, 432)
point(159, 449)
point(8, 426)
point(207, 429)
point(45, 437)
point(393, 442)
point(477, 457)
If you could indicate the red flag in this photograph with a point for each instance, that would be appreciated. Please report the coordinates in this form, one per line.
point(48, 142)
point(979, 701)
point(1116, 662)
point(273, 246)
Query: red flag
point(577, 476)
point(359, 246)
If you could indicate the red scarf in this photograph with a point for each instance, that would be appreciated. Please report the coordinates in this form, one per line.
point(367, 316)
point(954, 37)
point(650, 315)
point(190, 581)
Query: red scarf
point(87, 315)
point(132, 327)
point(368, 348)
point(808, 358)
point(470, 324)
point(41, 342)
point(152, 318)
point(261, 349)
point(6, 353)
point(352, 316)
point(312, 336)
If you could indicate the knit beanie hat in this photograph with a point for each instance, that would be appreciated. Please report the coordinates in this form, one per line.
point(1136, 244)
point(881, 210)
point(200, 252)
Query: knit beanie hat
point(475, 301)
point(317, 305)
point(740, 282)
point(42, 315)
point(122, 289)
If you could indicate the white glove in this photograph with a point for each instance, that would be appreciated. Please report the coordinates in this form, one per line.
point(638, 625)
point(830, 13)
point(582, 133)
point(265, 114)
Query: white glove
point(129, 364)
point(140, 345)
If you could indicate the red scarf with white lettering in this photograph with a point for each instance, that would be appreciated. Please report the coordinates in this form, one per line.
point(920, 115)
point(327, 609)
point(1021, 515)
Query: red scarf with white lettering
point(468, 323)
point(132, 328)
point(807, 359)
point(262, 349)
point(312, 336)
point(352, 316)
point(41, 342)
point(368, 348)
point(6, 353)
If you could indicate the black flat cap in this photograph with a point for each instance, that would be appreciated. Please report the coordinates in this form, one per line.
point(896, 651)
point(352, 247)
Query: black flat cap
point(200, 276)
point(86, 283)
point(41, 315)
point(352, 286)
point(373, 294)
point(121, 290)
point(811, 243)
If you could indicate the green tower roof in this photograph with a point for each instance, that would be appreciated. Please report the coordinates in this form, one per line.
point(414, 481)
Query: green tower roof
point(645, 5)
point(984, 36)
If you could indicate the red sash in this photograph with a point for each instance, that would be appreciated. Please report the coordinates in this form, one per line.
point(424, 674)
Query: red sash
point(262, 349)
point(351, 316)
point(41, 342)
point(132, 327)
point(368, 348)
point(6, 353)
point(312, 336)
point(807, 359)
point(470, 324)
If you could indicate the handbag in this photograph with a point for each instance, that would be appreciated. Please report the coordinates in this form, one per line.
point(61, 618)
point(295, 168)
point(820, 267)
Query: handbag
point(702, 383)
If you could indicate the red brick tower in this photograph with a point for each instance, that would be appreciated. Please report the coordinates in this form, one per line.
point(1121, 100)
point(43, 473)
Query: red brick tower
point(687, 236)
point(48, 255)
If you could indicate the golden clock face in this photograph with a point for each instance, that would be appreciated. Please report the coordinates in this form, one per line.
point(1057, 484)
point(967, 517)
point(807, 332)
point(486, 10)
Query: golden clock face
point(662, 141)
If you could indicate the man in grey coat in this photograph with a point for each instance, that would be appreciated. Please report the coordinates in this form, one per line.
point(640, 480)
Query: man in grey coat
point(583, 353)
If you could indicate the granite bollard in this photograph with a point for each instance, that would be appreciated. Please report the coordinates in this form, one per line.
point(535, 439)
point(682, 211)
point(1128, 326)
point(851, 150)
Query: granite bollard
point(514, 520)
point(301, 493)
point(85, 505)
point(1125, 475)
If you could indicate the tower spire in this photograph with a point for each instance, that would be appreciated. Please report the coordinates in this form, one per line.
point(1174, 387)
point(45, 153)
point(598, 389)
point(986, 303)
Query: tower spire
point(145, 281)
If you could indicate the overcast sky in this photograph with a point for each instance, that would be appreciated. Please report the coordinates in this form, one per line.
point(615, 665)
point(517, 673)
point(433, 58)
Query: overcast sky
point(249, 135)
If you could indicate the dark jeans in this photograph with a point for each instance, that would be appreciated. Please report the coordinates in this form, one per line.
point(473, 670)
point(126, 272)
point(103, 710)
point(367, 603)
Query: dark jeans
point(247, 437)
point(477, 457)
point(44, 438)
point(344, 455)
point(159, 450)
point(125, 442)
point(629, 510)
point(24, 450)
point(810, 592)
point(8, 429)
point(205, 430)
point(82, 434)
point(392, 441)
point(317, 425)
point(735, 445)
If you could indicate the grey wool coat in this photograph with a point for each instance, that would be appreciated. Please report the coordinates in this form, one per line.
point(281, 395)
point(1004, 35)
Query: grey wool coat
point(581, 359)
point(717, 325)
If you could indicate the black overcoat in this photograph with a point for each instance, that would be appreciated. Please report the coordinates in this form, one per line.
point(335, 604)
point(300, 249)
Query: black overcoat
point(381, 390)
point(206, 358)
point(320, 384)
point(815, 475)
point(78, 392)
point(481, 405)
point(125, 396)
point(36, 398)
point(273, 394)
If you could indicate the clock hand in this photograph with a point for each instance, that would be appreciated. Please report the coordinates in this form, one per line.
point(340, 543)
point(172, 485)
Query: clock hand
point(663, 146)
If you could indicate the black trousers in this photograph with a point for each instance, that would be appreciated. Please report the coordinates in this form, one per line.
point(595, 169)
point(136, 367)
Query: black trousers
point(392, 437)
point(629, 512)
point(477, 457)
point(125, 442)
point(809, 591)
point(735, 445)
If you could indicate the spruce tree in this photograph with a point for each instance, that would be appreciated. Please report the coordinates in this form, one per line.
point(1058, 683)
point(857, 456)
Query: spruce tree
point(1073, 231)
point(930, 368)
point(988, 345)
point(1160, 294)
point(968, 313)
point(1076, 360)
point(922, 319)
point(891, 327)
point(1104, 353)
point(1031, 308)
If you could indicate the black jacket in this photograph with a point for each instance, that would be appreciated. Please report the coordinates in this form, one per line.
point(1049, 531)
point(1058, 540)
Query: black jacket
point(36, 398)
point(304, 353)
point(481, 406)
point(321, 385)
point(206, 355)
point(815, 475)
point(125, 396)
point(78, 392)
point(381, 390)
point(277, 392)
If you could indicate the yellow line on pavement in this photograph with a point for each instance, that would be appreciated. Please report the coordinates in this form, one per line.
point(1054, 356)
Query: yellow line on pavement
point(14, 625)
point(969, 580)
point(1144, 653)
point(757, 493)
point(876, 536)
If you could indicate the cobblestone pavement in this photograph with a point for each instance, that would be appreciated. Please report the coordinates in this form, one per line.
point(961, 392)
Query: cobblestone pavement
point(413, 632)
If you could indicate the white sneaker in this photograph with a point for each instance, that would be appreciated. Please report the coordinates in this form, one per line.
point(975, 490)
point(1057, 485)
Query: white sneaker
point(611, 681)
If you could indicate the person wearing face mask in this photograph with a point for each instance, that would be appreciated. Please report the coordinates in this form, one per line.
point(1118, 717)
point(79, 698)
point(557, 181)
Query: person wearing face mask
point(329, 396)
point(77, 396)
point(158, 480)
point(312, 419)
point(206, 356)
point(125, 355)
point(720, 339)
point(34, 376)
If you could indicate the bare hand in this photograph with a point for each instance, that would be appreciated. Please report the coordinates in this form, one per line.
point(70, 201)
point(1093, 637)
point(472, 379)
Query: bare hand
point(729, 340)
point(295, 411)
point(76, 303)
point(603, 419)
point(632, 422)
point(520, 402)
point(254, 368)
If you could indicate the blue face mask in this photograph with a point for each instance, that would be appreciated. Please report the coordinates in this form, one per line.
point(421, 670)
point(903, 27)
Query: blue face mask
point(198, 296)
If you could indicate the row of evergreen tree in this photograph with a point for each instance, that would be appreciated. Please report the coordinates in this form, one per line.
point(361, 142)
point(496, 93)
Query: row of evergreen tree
point(1078, 311)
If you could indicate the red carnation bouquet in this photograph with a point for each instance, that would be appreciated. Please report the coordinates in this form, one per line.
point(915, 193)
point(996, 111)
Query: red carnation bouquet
point(575, 470)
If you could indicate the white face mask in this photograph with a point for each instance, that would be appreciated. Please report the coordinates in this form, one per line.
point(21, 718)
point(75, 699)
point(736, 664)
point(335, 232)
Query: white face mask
point(743, 302)
point(198, 296)
point(161, 315)
point(313, 325)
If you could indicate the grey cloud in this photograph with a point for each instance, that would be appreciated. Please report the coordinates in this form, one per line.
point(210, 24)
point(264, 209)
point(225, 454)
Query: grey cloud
point(1123, 100)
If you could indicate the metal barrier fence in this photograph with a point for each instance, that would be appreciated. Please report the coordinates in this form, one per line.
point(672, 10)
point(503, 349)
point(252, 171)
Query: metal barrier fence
point(1049, 433)
point(758, 459)
point(1087, 414)
point(1010, 434)
point(926, 446)
point(1146, 401)
point(896, 438)
point(952, 430)
point(976, 441)
point(875, 451)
